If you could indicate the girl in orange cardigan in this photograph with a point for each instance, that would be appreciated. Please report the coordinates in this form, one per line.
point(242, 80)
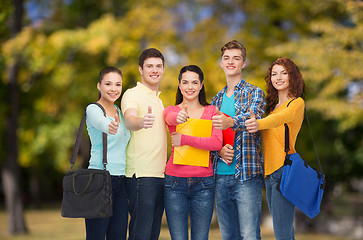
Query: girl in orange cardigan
point(285, 89)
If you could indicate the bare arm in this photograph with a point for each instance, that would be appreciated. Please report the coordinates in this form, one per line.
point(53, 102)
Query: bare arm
point(134, 123)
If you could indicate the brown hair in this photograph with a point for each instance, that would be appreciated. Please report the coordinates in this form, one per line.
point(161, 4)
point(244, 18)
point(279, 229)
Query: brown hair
point(150, 53)
point(234, 44)
point(296, 82)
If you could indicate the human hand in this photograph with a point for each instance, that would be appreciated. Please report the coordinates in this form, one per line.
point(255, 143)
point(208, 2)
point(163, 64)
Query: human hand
point(227, 153)
point(113, 126)
point(221, 121)
point(182, 116)
point(175, 139)
point(252, 124)
point(149, 119)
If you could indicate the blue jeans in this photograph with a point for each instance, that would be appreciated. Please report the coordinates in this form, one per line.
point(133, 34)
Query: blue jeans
point(239, 207)
point(146, 207)
point(114, 227)
point(184, 196)
point(282, 211)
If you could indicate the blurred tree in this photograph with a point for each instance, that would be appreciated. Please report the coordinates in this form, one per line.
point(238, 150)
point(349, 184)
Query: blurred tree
point(6, 9)
point(73, 14)
point(63, 53)
point(5, 14)
point(58, 78)
point(10, 170)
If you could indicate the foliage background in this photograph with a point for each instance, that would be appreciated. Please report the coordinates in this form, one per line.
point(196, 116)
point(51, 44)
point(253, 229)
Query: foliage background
point(64, 44)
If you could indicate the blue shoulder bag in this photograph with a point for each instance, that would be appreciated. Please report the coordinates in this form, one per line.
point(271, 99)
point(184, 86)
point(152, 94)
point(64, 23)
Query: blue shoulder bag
point(301, 184)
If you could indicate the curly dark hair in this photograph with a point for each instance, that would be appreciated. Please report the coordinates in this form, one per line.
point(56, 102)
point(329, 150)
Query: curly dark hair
point(296, 82)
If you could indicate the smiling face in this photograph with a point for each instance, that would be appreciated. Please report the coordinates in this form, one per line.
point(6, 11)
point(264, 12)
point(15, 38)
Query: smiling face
point(110, 87)
point(190, 85)
point(280, 78)
point(232, 62)
point(152, 72)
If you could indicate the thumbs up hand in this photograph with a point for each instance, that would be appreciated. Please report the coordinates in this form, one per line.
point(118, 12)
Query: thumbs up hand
point(117, 118)
point(252, 124)
point(113, 126)
point(182, 116)
point(219, 112)
point(221, 121)
point(149, 119)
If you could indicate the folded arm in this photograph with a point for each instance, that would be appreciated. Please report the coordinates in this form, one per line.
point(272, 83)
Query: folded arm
point(212, 143)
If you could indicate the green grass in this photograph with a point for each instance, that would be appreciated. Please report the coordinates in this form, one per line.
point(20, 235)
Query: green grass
point(48, 224)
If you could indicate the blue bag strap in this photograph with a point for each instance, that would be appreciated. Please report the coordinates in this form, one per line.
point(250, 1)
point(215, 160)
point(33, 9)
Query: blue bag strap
point(287, 142)
point(78, 139)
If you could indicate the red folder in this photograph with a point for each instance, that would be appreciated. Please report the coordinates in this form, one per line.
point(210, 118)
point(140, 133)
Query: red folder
point(228, 135)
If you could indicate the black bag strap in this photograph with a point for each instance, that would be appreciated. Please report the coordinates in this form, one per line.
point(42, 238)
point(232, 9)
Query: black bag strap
point(287, 138)
point(78, 139)
point(287, 142)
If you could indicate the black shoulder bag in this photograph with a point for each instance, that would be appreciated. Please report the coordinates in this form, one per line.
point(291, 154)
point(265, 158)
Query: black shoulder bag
point(87, 193)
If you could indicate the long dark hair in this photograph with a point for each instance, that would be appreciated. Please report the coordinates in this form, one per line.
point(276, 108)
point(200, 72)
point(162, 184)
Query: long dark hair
point(105, 71)
point(296, 82)
point(201, 97)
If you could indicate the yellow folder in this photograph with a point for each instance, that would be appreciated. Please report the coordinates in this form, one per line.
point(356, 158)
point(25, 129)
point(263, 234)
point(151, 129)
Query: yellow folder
point(187, 155)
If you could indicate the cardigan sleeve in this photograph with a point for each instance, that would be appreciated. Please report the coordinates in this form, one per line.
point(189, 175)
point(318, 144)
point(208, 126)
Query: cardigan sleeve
point(96, 118)
point(170, 115)
point(286, 115)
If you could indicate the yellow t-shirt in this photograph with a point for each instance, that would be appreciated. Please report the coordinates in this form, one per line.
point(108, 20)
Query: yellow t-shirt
point(273, 133)
point(147, 148)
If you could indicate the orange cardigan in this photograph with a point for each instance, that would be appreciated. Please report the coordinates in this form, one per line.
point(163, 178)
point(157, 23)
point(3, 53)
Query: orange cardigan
point(273, 133)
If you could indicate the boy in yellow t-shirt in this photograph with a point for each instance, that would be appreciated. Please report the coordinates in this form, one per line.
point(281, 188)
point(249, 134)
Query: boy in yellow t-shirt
point(146, 152)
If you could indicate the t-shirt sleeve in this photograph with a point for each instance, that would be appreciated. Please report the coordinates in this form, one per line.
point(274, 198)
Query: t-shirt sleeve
point(128, 101)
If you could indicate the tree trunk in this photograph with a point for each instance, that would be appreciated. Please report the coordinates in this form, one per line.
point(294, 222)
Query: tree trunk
point(35, 189)
point(11, 169)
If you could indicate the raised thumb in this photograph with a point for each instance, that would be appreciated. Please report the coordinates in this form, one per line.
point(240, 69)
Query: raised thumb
point(149, 109)
point(116, 118)
point(253, 116)
point(185, 107)
point(218, 112)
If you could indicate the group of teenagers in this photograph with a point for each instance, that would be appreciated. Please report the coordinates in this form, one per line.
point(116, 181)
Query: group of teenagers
point(144, 183)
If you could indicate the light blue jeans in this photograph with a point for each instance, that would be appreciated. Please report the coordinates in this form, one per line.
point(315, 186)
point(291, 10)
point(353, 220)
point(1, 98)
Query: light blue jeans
point(282, 211)
point(193, 196)
point(239, 207)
